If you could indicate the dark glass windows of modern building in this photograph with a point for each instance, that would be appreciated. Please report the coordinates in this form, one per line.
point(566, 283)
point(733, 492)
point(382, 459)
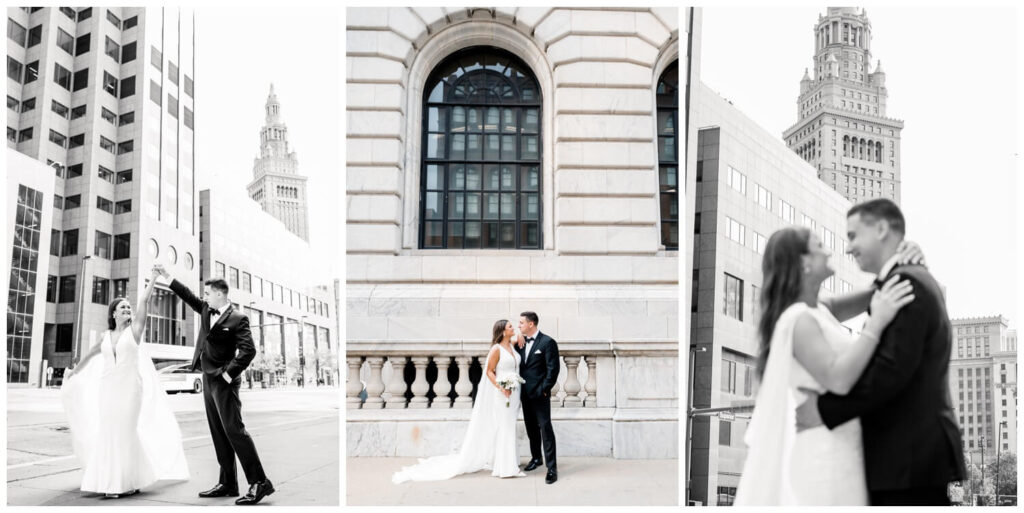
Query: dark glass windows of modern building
point(15, 32)
point(81, 80)
point(22, 290)
point(129, 52)
point(35, 36)
point(78, 112)
point(65, 41)
point(69, 243)
point(67, 289)
point(130, 22)
point(111, 48)
point(480, 181)
point(64, 340)
point(122, 246)
point(667, 97)
point(61, 75)
point(82, 44)
point(110, 84)
point(733, 299)
point(31, 72)
point(85, 14)
point(127, 118)
point(127, 86)
point(100, 290)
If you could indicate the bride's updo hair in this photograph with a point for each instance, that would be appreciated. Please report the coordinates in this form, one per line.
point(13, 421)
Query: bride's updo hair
point(111, 323)
point(782, 269)
point(499, 331)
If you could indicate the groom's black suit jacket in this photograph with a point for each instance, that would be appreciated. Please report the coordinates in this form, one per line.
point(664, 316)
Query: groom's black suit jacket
point(541, 370)
point(911, 437)
point(224, 347)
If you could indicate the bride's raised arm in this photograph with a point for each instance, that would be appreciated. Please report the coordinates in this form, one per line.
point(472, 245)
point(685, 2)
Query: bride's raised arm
point(142, 309)
point(847, 306)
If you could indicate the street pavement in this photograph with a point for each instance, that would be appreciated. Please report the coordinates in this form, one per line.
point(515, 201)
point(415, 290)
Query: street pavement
point(581, 482)
point(295, 431)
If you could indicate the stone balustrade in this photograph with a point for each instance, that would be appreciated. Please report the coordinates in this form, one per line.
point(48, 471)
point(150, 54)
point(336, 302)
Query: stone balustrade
point(406, 376)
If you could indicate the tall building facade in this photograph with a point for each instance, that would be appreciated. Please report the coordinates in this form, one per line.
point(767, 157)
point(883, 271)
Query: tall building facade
point(983, 383)
point(501, 160)
point(275, 279)
point(104, 96)
point(277, 185)
point(842, 128)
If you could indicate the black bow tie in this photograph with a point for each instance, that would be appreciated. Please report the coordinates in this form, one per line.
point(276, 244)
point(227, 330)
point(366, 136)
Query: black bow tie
point(530, 339)
point(214, 311)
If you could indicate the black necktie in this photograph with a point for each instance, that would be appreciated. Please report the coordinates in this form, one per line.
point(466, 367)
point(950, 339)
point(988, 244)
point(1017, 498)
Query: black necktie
point(214, 311)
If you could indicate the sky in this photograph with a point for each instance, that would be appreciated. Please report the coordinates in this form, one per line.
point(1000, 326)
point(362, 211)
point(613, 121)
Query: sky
point(951, 75)
point(239, 53)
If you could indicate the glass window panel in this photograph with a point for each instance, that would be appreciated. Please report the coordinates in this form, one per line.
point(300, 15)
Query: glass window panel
point(458, 147)
point(508, 235)
point(668, 177)
point(491, 147)
point(434, 176)
point(433, 205)
point(437, 94)
point(474, 148)
point(473, 235)
point(531, 206)
point(529, 234)
point(436, 121)
point(531, 121)
point(508, 147)
point(432, 234)
point(474, 124)
point(492, 178)
point(473, 177)
point(508, 178)
point(490, 235)
point(529, 147)
point(456, 205)
point(435, 146)
point(491, 124)
point(666, 123)
point(491, 206)
point(508, 207)
point(455, 235)
point(530, 178)
point(458, 119)
point(473, 206)
point(456, 177)
point(666, 148)
point(508, 123)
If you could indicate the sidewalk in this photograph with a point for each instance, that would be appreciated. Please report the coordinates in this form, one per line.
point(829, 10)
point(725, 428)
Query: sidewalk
point(295, 431)
point(581, 482)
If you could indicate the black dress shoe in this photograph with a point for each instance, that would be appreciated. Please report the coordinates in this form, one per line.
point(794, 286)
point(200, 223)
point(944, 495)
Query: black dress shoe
point(533, 464)
point(552, 477)
point(218, 490)
point(257, 492)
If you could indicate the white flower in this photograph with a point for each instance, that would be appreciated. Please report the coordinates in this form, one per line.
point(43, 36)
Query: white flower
point(510, 382)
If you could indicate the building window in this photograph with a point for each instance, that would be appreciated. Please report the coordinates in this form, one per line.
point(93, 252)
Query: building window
point(31, 72)
point(107, 144)
point(128, 52)
point(102, 249)
point(85, 14)
point(78, 112)
point(82, 44)
point(218, 270)
point(76, 141)
point(172, 72)
point(808, 222)
point(67, 289)
point(122, 246)
point(127, 87)
point(65, 41)
point(16, 32)
point(735, 231)
point(480, 181)
point(25, 135)
point(172, 105)
point(246, 282)
point(61, 76)
point(155, 92)
point(25, 263)
point(112, 49)
point(724, 432)
point(127, 118)
point(728, 376)
point(100, 290)
point(106, 174)
point(124, 176)
point(130, 22)
point(667, 98)
point(760, 242)
point(733, 304)
point(123, 207)
point(110, 84)
point(188, 86)
point(188, 118)
point(156, 59)
point(104, 204)
point(121, 287)
point(737, 180)
point(164, 322)
point(764, 197)
point(69, 244)
point(35, 36)
point(233, 278)
point(787, 212)
point(64, 340)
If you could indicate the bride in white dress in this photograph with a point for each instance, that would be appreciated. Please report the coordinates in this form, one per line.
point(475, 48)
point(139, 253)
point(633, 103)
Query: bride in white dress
point(123, 430)
point(490, 441)
point(803, 345)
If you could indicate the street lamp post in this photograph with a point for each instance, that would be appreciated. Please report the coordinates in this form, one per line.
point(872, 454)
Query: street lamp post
point(689, 417)
point(999, 445)
point(302, 351)
point(982, 465)
point(76, 350)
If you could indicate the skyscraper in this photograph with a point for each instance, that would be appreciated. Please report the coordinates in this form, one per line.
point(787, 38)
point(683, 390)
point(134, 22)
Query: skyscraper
point(104, 96)
point(276, 184)
point(842, 127)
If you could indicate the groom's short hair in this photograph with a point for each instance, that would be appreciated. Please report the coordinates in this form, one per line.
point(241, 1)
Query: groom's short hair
point(881, 208)
point(218, 284)
point(531, 316)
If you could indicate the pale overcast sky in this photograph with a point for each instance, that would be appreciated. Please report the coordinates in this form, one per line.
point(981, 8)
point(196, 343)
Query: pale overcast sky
point(951, 74)
point(239, 52)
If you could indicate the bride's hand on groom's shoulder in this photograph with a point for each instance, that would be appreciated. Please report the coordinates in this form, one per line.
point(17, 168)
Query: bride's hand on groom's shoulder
point(910, 253)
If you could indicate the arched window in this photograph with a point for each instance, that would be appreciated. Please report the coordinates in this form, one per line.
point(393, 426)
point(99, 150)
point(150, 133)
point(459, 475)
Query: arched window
point(667, 96)
point(480, 182)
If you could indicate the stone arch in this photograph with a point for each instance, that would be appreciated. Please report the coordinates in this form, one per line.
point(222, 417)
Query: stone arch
point(431, 47)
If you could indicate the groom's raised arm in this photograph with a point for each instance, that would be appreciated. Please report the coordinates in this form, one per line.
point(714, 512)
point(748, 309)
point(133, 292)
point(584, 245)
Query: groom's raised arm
point(551, 361)
point(245, 350)
point(894, 363)
point(186, 295)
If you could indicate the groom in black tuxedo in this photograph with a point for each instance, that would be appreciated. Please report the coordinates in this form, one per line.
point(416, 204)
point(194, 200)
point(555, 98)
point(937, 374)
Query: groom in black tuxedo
point(224, 349)
point(912, 445)
point(539, 367)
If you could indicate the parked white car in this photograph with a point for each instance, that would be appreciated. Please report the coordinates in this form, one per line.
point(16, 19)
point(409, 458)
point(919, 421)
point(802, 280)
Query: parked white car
point(180, 378)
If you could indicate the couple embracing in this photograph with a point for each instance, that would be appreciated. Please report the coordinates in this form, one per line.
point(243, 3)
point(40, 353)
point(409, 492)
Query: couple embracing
point(520, 370)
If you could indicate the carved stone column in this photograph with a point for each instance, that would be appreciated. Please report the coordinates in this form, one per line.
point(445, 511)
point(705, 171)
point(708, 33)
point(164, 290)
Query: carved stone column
point(442, 387)
point(463, 386)
point(590, 388)
point(394, 397)
point(420, 387)
point(572, 382)
point(375, 384)
point(354, 386)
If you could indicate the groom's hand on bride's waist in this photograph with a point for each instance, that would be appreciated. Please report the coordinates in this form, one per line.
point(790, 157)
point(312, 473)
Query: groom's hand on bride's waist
point(807, 415)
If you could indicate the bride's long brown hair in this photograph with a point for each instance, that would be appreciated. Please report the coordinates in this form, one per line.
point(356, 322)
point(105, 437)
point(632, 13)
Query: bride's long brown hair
point(499, 331)
point(783, 280)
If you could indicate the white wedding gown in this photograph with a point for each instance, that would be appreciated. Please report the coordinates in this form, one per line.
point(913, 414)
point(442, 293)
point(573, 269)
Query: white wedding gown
point(125, 435)
point(490, 441)
point(817, 466)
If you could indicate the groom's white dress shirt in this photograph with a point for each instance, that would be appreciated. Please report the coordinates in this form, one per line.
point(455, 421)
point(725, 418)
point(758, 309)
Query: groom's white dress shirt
point(529, 345)
point(887, 266)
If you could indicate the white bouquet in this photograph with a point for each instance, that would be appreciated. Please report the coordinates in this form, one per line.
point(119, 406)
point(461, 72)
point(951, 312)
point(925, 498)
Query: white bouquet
point(510, 382)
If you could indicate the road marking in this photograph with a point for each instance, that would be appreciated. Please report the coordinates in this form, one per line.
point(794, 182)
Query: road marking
point(183, 440)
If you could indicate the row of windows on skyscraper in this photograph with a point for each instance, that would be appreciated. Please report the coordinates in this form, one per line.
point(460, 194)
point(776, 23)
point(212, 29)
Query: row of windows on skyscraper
point(242, 280)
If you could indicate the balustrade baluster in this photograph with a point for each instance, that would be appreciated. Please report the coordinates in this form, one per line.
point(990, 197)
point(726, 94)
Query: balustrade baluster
point(572, 382)
point(354, 385)
point(442, 387)
point(375, 384)
point(420, 387)
point(394, 397)
point(463, 387)
point(590, 387)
